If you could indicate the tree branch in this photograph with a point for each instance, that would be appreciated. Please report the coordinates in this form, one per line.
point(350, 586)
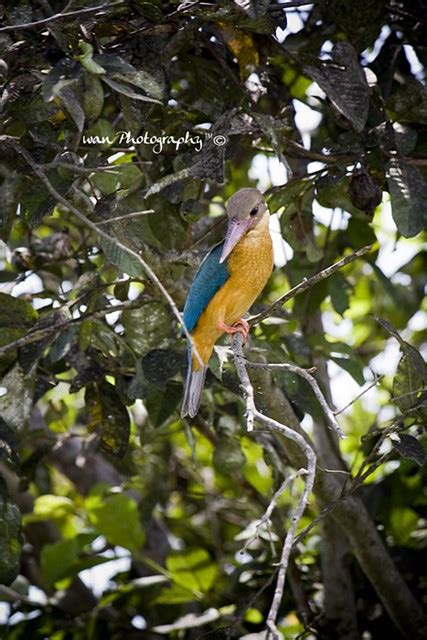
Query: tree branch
point(349, 513)
point(308, 283)
point(303, 373)
point(273, 425)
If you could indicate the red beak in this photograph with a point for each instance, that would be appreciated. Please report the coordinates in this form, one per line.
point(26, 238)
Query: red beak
point(236, 230)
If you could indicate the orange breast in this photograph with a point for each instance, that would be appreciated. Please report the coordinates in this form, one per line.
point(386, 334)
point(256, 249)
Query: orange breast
point(250, 265)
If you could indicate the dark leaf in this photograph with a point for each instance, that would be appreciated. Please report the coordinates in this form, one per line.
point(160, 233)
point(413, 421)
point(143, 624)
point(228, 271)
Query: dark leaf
point(8, 445)
point(16, 313)
point(65, 73)
point(352, 367)
point(108, 416)
point(161, 404)
point(124, 78)
point(126, 262)
point(409, 102)
point(31, 353)
point(9, 192)
point(344, 82)
point(337, 288)
point(159, 365)
point(364, 192)
point(410, 381)
point(147, 328)
point(17, 398)
point(73, 107)
point(408, 193)
point(253, 8)
point(410, 448)
point(10, 538)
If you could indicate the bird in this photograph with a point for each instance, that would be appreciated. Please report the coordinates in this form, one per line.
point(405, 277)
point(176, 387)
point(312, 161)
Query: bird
point(226, 284)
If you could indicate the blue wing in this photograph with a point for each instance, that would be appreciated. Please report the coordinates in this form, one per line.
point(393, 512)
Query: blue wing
point(209, 278)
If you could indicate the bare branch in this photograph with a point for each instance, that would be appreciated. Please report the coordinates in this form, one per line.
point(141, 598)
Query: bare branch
point(101, 233)
point(303, 373)
point(273, 425)
point(308, 283)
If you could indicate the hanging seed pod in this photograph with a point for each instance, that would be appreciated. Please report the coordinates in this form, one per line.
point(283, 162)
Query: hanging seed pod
point(364, 192)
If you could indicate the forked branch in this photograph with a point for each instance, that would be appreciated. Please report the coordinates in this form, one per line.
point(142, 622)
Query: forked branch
point(253, 415)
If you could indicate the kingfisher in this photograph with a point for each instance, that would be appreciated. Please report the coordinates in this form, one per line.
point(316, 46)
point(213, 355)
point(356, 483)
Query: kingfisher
point(227, 283)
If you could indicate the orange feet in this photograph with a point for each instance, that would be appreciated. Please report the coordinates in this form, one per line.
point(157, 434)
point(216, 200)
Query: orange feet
point(241, 326)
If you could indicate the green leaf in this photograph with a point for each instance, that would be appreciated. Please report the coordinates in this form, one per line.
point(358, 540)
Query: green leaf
point(408, 193)
point(344, 82)
point(147, 328)
point(87, 61)
point(89, 93)
point(50, 507)
point(176, 595)
point(57, 559)
point(403, 522)
point(116, 517)
point(192, 569)
point(108, 416)
point(61, 559)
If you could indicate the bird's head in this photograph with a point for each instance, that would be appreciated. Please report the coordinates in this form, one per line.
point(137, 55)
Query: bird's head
point(244, 209)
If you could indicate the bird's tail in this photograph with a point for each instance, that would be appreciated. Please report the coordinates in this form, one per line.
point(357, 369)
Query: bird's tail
point(193, 388)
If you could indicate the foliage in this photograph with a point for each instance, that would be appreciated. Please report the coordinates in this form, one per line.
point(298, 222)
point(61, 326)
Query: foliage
point(166, 109)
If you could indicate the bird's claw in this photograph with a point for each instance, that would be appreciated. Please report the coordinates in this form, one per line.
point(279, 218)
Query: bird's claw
point(241, 326)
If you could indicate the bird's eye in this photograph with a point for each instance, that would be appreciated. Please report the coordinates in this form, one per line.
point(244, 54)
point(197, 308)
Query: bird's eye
point(254, 211)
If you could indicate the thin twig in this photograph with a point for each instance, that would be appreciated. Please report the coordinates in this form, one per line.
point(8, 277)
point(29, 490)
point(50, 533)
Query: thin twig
point(303, 373)
point(309, 282)
point(273, 425)
point(60, 16)
point(101, 233)
point(359, 395)
point(127, 216)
